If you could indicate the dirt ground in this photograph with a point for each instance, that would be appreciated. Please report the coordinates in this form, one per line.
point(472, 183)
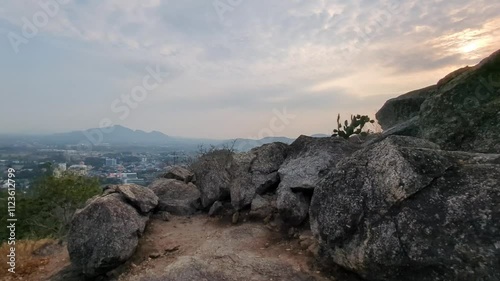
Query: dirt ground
point(202, 236)
point(214, 240)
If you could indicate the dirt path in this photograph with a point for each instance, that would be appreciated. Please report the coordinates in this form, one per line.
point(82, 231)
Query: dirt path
point(216, 248)
point(198, 248)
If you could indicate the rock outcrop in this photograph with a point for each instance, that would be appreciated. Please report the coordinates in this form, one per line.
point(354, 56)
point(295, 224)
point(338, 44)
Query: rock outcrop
point(141, 198)
point(176, 197)
point(263, 207)
point(460, 113)
point(403, 108)
point(267, 161)
point(402, 209)
point(465, 113)
point(255, 172)
point(308, 160)
point(222, 174)
point(105, 233)
point(212, 176)
point(179, 173)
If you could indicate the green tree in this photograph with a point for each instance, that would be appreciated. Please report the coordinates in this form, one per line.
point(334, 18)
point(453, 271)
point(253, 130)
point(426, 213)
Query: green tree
point(47, 208)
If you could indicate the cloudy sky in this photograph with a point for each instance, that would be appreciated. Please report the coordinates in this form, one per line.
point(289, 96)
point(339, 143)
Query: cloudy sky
point(226, 68)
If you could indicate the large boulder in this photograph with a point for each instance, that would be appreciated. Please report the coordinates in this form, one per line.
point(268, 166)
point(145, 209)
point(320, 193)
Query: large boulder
point(460, 113)
point(293, 206)
point(179, 173)
point(222, 174)
point(242, 188)
point(403, 108)
point(212, 176)
point(268, 159)
point(402, 209)
point(176, 197)
point(308, 160)
point(255, 172)
point(104, 234)
point(263, 206)
point(464, 114)
point(138, 196)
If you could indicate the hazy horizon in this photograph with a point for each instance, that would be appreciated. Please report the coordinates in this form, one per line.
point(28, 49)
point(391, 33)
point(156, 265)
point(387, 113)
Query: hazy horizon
point(235, 68)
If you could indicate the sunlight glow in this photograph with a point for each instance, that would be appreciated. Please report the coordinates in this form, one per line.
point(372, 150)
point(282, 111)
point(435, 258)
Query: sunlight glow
point(470, 47)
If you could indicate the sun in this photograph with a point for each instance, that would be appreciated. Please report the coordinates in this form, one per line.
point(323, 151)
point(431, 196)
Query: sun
point(470, 47)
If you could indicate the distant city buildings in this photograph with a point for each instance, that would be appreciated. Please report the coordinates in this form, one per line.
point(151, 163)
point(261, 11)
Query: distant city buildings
point(111, 162)
point(108, 164)
point(126, 178)
point(80, 169)
point(60, 169)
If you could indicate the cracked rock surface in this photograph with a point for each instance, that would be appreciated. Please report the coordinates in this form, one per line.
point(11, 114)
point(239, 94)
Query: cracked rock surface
point(404, 210)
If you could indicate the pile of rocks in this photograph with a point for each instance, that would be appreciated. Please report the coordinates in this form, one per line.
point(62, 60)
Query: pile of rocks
point(421, 202)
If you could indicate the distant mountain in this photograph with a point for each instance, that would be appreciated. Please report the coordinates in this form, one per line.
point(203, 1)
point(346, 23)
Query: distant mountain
point(320, 136)
point(119, 135)
point(111, 135)
point(247, 144)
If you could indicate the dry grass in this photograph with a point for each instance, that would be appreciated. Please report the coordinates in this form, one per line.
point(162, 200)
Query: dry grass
point(27, 261)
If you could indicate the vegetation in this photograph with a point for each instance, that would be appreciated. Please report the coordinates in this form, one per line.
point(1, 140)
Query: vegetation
point(355, 127)
point(27, 260)
point(45, 210)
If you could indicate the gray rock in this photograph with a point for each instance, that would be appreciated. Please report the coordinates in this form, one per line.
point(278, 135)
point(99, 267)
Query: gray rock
point(162, 215)
point(460, 113)
point(266, 164)
point(216, 209)
point(402, 210)
point(403, 108)
point(212, 176)
point(176, 197)
point(179, 173)
point(464, 114)
point(222, 174)
point(255, 172)
point(262, 207)
point(310, 158)
point(104, 234)
point(242, 189)
point(408, 128)
point(292, 206)
point(235, 218)
point(138, 196)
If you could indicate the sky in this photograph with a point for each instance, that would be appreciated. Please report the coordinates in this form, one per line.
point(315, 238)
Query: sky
point(226, 68)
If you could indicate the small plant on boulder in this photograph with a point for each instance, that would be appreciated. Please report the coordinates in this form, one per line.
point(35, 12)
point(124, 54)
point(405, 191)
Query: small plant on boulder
point(353, 128)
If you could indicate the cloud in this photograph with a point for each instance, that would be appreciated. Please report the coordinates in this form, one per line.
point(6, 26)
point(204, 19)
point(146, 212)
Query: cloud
point(318, 57)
